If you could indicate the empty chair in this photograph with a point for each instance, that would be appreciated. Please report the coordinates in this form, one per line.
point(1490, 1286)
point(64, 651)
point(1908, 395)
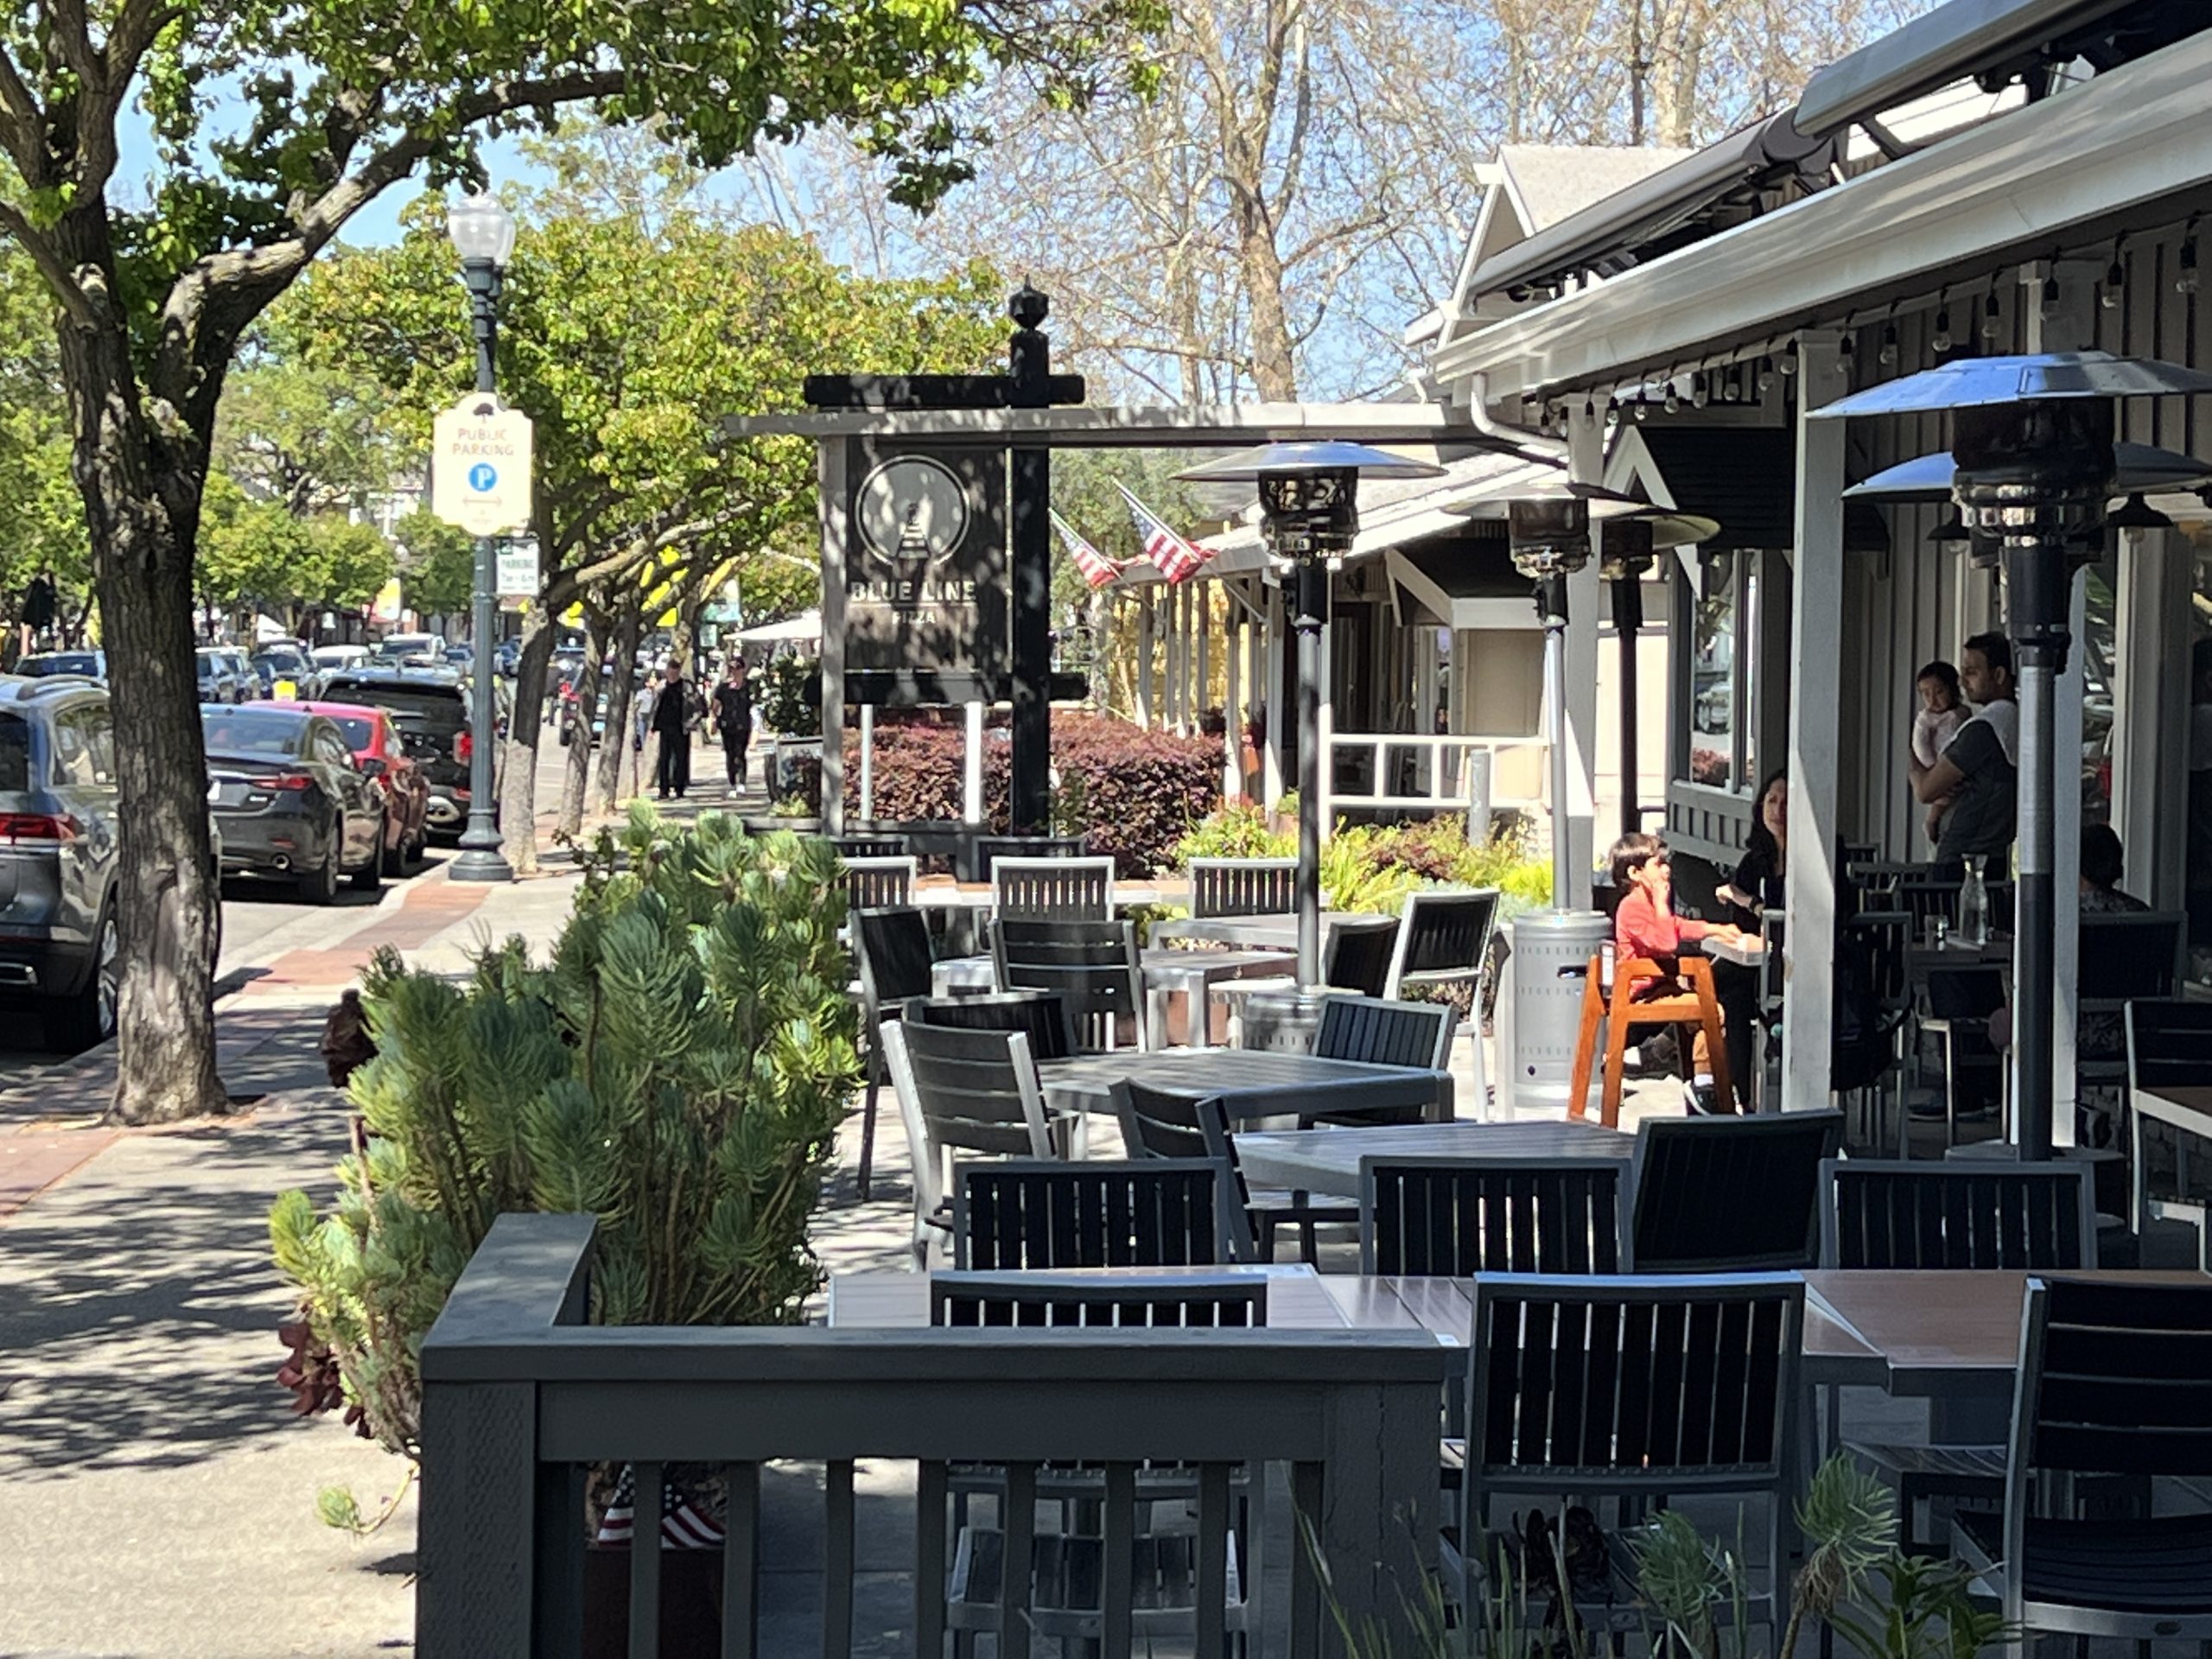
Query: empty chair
point(2111, 1382)
point(1444, 940)
point(892, 947)
point(1356, 953)
point(2168, 1046)
point(2126, 957)
point(1381, 1032)
point(1093, 965)
point(1922, 1216)
point(1455, 1217)
point(1144, 1212)
point(1041, 1016)
point(876, 883)
point(1959, 1002)
point(985, 851)
point(961, 1092)
point(1728, 1194)
point(1583, 1389)
point(852, 847)
point(1181, 1301)
point(1243, 886)
point(1158, 1124)
point(1052, 889)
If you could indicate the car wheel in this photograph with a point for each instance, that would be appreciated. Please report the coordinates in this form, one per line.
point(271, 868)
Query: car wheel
point(80, 1022)
point(320, 886)
point(370, 877)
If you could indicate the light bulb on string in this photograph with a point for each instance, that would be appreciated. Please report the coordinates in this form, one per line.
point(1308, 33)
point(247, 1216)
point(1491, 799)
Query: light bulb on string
point(2050, 293)
point(1940, 341)
point(1701, 394)
point(1845, 354)
point(2185, 271)
point(1789, 359)
point(1766, 373)
point(1673, 398)
point(1888, 354)
point(1992, 315)
point(1612, 411)
point(2115, 282)
point(1642, 407)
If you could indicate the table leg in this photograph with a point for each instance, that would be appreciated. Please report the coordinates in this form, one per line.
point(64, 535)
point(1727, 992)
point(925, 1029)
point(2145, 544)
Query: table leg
point(1155, 1017)
point(1197, 1014)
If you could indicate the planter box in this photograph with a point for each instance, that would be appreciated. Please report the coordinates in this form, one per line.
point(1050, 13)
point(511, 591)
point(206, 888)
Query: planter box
point(690, 1603)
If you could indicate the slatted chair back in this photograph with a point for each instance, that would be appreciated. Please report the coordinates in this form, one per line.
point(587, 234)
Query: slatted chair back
point(2128, 955)
point(1093, 965)
point(1729, 1194)
point(962, 1091)
point(1357, 955)
point(1926, 893)
point(1052, 889)
point(1380, 1032)
point(1443, 937)
point(2169, 1044)
point(1158, 1124)
point(1182, 1302)
point(893, 946)
point(1605, 1386)
point(2037, 1218)
point(1029, 1214)
point(1041, 1016)
point(1456, 1217)
point(1243, 886)
point(1964, 994)
point(877, 883)
point(851, 846)
point(986, 851)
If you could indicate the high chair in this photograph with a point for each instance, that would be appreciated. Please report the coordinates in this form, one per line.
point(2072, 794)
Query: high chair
point(1614, 1004)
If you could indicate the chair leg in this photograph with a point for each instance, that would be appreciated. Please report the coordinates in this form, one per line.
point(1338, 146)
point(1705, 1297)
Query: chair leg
point(868, 1125)
point(1586, 1046)
point(1616, 1057)
point(1716, 1044)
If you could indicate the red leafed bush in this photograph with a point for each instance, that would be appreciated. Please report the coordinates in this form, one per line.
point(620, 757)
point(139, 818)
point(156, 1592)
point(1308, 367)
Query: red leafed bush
point(1134, 793)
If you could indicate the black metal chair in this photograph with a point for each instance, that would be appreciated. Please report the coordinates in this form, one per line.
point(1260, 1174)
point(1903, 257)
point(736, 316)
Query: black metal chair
point(1636, 1390)
point(2168, 1046)
point(1729, 1194)
point(892, 948)
point(877, 883)
point(1183, 1302)
point(985, 851)
point(1456, 1217)
point(1379, 1032)
point(1158, 1124)
point(1902, 1216)
point(1243, 886)
point(1041, 1016)
point(961, 1092)
point(2124, 957)
point(1356, 956)
point(1093, 965)
point(1959, 1002)
point(852, 847)
point(1066, 888)
point(1027, 1214)
point(2112, 1382)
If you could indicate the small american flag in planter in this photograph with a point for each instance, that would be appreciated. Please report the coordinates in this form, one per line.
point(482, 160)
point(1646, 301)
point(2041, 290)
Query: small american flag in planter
point(682, 1526)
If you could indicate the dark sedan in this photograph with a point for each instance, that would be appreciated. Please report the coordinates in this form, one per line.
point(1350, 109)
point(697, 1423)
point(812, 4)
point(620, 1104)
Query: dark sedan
point(290, 801)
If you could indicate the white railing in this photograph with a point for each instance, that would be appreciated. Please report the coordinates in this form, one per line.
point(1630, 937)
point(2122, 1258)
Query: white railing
point(1451, 771)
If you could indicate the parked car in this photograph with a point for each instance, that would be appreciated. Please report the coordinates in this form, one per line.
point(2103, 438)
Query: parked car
point(59, 868)
point(283, 664)
point(290, 800)
point(219, 680)
point(431, 709)
point(398, 647)
point(93, 664)
point(382, 756)
point(461, 658)
point(325, 660)
point(506, 658)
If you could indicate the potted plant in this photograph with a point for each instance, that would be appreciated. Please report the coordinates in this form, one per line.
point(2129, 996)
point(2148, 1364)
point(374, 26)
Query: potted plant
point(695, 1002)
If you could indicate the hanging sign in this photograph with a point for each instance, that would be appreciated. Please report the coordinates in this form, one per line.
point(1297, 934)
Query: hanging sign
point(481, 468)
point(517, 569)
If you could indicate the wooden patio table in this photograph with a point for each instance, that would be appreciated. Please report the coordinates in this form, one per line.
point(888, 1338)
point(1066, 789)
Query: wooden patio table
point(1327, 1160)
point(1254, 1082)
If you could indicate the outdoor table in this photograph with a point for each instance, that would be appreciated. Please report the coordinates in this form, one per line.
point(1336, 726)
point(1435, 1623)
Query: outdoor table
point(1194, 973)
point(1261, 932)
point(894, 1299)
point(2187, 1109)
point(1252, 1083)
point(1748, 951)
point(1327, 1160)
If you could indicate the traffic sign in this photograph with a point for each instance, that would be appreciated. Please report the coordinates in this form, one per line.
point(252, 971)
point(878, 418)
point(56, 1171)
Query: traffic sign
point(517, 565)
point(481, 468)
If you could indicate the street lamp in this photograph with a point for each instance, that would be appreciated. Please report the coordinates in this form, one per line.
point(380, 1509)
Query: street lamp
point(1309, 511)
point(2034, 466)
point(483, 233)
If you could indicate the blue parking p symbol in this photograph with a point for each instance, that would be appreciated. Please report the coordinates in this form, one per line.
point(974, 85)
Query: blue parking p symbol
point(482, 476)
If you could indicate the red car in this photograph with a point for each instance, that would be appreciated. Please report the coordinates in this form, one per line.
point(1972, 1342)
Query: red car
point(377, 751)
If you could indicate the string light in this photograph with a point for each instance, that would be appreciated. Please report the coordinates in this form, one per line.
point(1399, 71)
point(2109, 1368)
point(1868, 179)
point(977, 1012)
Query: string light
point(1766, 373)
point(1642, 407)
point(1590, 406)
point(1673, 397)
point(1789, 359)
point(1942, 341)
point(1888, 354)
point(1612, 411)
point(2185, 276)
point(1843, 355)
point(1700, 393)
point(1992, 314)
point(2050, 289)
point(2116, 280)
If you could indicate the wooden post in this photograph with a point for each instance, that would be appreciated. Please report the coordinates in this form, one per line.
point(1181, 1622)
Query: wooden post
point(1144, 657)
point(1232, 738)
point(1816, 731)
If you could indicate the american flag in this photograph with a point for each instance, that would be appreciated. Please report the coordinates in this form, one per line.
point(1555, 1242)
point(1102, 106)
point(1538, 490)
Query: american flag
point(1097, 569)
point(681, 1526)
point(1177, 559)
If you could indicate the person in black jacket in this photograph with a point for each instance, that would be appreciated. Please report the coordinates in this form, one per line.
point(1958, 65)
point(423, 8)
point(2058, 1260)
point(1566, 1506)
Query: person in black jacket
point(1754, 889)
point(672, 726)
point(733, 720)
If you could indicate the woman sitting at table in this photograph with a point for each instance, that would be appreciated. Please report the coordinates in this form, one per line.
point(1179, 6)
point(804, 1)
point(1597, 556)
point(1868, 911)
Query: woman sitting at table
point(1645, 925)
point(1754, 889)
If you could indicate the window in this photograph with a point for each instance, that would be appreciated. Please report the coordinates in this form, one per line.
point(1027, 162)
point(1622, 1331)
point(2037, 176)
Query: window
point(14, 753)
point(84, 756)
point(2100, 584)
point(1720, 749)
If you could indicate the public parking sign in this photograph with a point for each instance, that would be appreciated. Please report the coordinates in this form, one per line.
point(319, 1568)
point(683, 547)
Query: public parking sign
point(479, 467)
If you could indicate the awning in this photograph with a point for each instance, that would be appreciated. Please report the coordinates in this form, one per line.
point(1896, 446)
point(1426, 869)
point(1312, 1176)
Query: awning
point(807, 625)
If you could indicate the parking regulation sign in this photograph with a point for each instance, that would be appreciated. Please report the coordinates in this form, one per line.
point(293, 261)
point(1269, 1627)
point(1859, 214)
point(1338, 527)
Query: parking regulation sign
point(481, 467)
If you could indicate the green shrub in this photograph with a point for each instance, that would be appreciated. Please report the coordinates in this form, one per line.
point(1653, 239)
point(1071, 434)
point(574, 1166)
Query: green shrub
point(1367, 866)
point(678, 1068)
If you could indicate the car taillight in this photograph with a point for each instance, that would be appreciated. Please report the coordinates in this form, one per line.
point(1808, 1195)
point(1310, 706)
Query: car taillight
point(16, 828)
point(464, 745)
point(291, 780)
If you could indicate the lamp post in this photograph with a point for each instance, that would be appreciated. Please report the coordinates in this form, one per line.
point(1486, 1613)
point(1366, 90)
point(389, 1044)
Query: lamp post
point(2034, 466)
point(483, 233)
point(1310, 513)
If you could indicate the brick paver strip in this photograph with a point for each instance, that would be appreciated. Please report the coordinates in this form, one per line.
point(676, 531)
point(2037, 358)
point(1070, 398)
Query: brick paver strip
point(33, 1159)
point(426, 911)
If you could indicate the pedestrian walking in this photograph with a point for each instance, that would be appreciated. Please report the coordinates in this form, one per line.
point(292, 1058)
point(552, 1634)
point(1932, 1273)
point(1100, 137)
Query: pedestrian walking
point(733, 722)
point(672, 727)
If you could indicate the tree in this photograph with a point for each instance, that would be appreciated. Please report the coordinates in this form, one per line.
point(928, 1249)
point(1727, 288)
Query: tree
point(437, 563)
point(42, 517)
point(332, 105)
point(626, 341)
point(261, 555)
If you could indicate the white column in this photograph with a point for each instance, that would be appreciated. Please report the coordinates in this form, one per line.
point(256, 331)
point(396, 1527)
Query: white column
point(972, 787)
point(1815, 732)
point(2150, 637)
point(1178, 606)
point(1232, 739)
point(868, 761)
point(1585, 446)
point(1144, 656)
point(1202, 593)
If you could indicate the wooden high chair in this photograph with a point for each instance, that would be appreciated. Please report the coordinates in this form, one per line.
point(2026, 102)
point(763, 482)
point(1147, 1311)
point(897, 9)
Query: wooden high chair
point(1696, 1008)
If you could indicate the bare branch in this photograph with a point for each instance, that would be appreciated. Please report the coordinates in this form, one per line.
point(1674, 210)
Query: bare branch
point(68, 291)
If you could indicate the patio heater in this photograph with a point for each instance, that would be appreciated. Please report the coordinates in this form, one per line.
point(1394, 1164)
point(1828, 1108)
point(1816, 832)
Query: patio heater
point(2034, 466)
point(1309, 513)
point(1630, 548)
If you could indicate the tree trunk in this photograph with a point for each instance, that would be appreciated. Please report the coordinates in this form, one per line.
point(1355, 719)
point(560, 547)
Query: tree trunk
point(518, 785)
point(615, 753)
point(141, 491)
point(577, 779)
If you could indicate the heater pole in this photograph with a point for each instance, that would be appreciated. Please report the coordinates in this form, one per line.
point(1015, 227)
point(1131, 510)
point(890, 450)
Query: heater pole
point(1551, 605)
point(2035, 606)
point(1313, 617)
point(1628, 619)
